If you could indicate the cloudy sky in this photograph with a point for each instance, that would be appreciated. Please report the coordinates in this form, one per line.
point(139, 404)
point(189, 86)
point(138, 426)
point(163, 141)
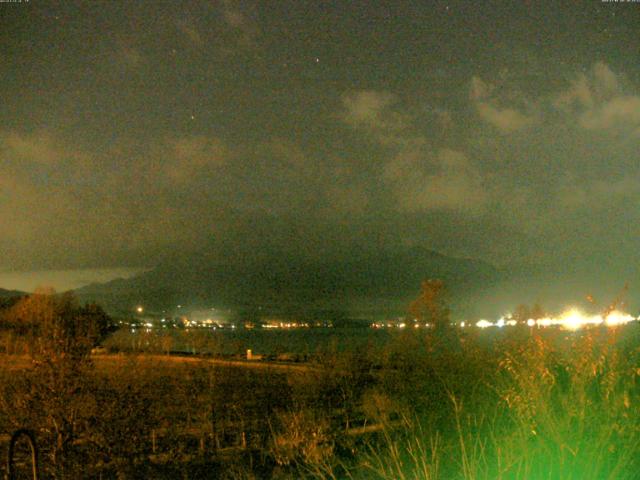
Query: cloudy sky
point(506, 131)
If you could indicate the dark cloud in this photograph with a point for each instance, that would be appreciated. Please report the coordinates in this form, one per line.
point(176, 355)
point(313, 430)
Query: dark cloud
point(246, 131)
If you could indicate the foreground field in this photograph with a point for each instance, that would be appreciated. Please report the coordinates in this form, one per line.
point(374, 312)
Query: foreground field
point(531, 405)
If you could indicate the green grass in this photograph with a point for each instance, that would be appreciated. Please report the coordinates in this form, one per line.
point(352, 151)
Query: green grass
point(546, 408)
point(532, 405)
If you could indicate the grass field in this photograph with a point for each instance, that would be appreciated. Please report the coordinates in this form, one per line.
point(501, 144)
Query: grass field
point(542, 404)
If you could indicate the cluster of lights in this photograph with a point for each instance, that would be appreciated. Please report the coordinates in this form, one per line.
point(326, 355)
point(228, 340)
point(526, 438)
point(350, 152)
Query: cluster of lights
point(285, 325)
point(570, 320)
point(399, 325)
point(208, 323)
point(271, 325)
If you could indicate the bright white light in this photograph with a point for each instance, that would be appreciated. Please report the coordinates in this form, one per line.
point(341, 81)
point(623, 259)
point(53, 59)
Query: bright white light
point(618, 318)
point(531, 322)
point(572, 320)
point(484, 324)
point(544, 322)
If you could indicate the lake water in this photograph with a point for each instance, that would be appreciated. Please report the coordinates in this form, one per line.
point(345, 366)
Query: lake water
point(310, 341)
point(303, 341)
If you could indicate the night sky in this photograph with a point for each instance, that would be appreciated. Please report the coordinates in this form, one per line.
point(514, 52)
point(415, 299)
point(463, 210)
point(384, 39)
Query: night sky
point(502, 131)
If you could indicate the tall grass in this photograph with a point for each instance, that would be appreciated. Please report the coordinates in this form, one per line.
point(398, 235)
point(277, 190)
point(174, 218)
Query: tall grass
point(551, 408)
point(535, 405)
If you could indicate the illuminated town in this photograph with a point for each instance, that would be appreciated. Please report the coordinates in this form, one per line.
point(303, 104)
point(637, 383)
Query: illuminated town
point(215, 319)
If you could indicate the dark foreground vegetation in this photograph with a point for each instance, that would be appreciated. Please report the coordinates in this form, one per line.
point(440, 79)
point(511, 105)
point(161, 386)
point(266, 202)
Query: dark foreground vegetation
point(535, 404)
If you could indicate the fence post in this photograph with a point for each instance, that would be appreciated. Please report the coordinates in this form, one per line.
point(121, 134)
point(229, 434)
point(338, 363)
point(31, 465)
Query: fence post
point(34, 453)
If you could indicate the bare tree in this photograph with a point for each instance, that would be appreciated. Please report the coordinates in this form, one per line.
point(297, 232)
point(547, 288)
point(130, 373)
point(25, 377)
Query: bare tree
point(431, 306)
point(55, 397)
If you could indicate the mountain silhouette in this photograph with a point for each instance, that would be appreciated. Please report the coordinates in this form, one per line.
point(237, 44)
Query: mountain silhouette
point(277, 281)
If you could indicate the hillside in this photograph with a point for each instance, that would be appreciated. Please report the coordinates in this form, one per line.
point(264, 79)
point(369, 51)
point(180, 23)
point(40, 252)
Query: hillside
point(387, 275)
point(10, 293)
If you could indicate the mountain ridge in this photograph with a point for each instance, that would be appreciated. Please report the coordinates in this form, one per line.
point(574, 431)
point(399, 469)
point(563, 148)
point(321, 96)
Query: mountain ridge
point(4, 293)
point(387, 274)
